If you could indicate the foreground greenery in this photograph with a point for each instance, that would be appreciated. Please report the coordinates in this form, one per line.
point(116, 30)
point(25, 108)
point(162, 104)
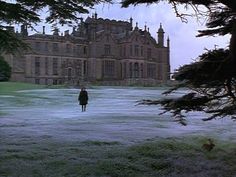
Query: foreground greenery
point(5, 70)
point(160, 157)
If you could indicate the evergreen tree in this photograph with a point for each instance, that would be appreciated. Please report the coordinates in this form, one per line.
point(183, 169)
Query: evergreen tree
point(5, 70)
point(211, 80)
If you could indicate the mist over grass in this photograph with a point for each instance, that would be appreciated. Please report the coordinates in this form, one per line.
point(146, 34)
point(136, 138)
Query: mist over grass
point(45, 134)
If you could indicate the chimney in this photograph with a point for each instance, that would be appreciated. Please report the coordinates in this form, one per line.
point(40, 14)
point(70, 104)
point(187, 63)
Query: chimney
point(24, 31)
point(66, 33)
point(56, 31)
point(96, 15)
point(43, 29)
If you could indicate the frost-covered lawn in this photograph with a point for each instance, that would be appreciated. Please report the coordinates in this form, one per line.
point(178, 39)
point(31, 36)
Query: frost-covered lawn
point(44, 133)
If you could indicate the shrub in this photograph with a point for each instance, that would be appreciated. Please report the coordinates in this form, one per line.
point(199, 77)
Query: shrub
point(5, 70)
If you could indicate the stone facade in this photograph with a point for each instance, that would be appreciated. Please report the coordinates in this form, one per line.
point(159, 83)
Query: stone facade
point(100, 51)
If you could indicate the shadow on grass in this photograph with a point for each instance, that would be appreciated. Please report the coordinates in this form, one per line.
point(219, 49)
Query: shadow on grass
point(160, 157)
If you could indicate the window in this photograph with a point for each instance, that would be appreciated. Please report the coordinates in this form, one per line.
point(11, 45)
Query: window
point(68, 48)
point(109, 68)
point(46, 47)
point(160, 72)
point(37, 81)
point(136, 70)
point(107, 38)
point(69, 73)
point(37, 66)
point(46, 66)
point(142, 51)
point(151, 70)
point(131, 50)
point(141, 70)
point(124, 50)
point(54, 82)
point(85, 67)
point(136, 47)
point(55, 47)
point(38, 46)
point(124, 69)
point(121, 70)
point(77, 49)
point(149, 53)
point(85, 50)
point(130, 70)
point(107, 49)
point(78, 69)
point(161, 57)
point(55, 66)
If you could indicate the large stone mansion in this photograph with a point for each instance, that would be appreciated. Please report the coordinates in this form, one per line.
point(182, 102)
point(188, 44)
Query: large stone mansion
point(100, 51)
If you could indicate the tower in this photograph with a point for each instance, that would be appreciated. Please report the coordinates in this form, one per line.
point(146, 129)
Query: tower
point(160, 36)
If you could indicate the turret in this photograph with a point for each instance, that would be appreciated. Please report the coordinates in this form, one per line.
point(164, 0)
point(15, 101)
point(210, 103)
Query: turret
point(160, 37)
point(136, 27)
point(131, 22)
point(168, 42)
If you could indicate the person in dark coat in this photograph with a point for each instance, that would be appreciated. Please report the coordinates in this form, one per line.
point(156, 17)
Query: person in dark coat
point(83, 98)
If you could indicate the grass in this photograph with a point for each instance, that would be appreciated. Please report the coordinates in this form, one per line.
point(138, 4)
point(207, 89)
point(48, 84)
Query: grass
point(44, 157)
point(158, 157)
point(21, 99)
point(9, 87)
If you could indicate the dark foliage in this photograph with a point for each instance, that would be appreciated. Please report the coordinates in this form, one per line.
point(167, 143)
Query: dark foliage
point(211, 80)
point(210, 87)
point(5, 70)
point(29, 12)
